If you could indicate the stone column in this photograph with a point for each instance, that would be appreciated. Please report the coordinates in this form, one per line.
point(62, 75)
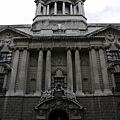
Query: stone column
point(39, 9)
point(71, 9)
point(79, 7)
point(48, 9)
point(82, 7)
point(78, 73)
point(63, 8)
point(95, 72)
point(36, 10)
point(23, 73)
point(91, 72)
point(5, 82)
point(39, 74)
point(55, 8)
point(44, 10)
point(48, 71)
point(104, 72)
point(13, 73)
point(69, 71)
point(75, 12)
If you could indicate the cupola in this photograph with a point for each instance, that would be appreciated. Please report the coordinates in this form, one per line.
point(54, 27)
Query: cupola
point(53, 16)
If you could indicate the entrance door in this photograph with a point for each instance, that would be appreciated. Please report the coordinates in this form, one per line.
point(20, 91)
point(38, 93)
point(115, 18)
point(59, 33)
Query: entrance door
point(58, 115)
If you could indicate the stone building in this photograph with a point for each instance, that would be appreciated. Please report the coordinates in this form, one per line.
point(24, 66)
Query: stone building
point(60, 67)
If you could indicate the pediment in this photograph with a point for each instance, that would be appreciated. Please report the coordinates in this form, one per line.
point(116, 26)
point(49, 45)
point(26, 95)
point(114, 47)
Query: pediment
point(12, 32)
point(105, 30)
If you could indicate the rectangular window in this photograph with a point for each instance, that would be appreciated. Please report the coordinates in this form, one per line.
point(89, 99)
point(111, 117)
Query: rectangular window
point(4, 57)
point(117, 81)
point(115, 55)
point(60, 81)
point(1, 82)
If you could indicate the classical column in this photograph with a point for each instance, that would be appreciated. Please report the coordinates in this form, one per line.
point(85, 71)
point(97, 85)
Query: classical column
point(55, 8)
point(63, 8)
point(48, 71)
point(104, 72)
point(69, 71)
point(75, 12)
point(71, 9)
point(39, 9)
point(91, 72)
point(82, 7)
point(95, 72)
point(14, 73)
point(39, 73)
point(48, 9)
point(44, 10)
point(5, 82)
point(36, 10)
point(78, 73)
point(79, 7)
point(22, 74)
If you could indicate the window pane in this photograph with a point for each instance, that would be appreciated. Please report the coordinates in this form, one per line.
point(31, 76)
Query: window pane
point(1, 82)
point(4, 57)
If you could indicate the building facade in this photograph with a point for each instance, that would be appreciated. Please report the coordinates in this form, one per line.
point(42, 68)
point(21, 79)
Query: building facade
point(60, 67)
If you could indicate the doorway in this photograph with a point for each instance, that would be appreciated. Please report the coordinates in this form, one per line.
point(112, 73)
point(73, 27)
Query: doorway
point(58, 115)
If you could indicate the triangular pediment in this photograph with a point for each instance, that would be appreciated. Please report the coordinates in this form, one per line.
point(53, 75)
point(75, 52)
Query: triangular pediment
point(12, 32)
point(105, 30)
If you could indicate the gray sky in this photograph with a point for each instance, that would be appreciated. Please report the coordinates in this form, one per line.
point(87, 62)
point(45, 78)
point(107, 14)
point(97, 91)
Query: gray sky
point(22, 11)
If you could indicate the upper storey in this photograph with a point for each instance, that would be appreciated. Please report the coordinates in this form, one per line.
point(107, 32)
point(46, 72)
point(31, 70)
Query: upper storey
point(64, 15)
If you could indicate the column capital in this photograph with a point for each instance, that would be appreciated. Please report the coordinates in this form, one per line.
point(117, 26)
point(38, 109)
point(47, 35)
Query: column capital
point(40, 49)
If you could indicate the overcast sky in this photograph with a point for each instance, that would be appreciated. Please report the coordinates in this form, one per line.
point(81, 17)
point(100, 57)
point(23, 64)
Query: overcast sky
point(22, 11)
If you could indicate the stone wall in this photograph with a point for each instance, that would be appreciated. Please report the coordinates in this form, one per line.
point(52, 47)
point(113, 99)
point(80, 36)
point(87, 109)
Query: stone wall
point(96, 108)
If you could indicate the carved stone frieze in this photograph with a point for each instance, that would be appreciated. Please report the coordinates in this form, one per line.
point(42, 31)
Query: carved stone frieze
point(55, 25)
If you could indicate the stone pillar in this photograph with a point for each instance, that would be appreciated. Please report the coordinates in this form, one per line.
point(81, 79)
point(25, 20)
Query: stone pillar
point(44, 10)
point(48, 9)
point(39, 9)
point(75, 12)
point(55, 8)
point(104, 72)
point(82, 7)
point(23, 73)
point(71, 9)
point(5, 82)
point(36, 10)
point(78, 73)
point(13, 73)
point(79, 7)
point(63, 8)
point(48, 71)
point(95, 72)
point(69, 71)
point(91, 72)
point(39, 74)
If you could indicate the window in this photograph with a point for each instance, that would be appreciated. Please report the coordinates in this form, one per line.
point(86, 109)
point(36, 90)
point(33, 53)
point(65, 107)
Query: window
point(5, 57)
point(115, 55)
point(1, 82)
point(60, 81)
point(117, 81)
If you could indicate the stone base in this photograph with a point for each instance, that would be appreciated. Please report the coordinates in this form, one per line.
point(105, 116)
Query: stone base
point(19, 93)
point(79, 93)
point(107, 92)
point(37, 93)
point(10, 93)
point(98, 92)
